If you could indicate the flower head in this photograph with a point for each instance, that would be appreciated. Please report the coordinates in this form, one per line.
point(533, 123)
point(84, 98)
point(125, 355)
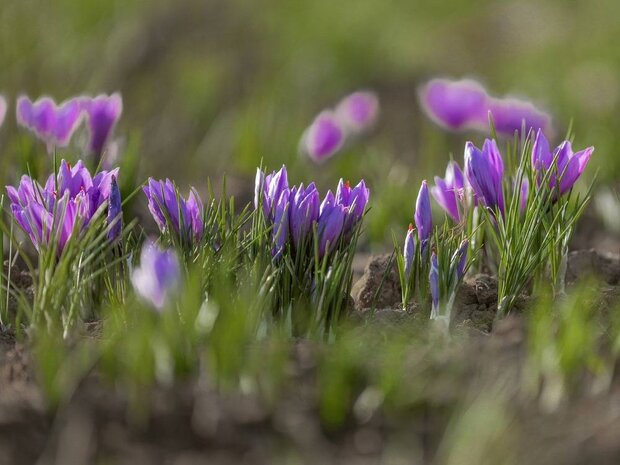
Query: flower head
point(324, 137)
point(102, 114)
point(172, 212)
point(158, 275)
point(485, 171)
point(51, 123)
point(358, 111)
point(423, 216)
point(449, 191)
point(304, 211)
point(331, 223)
point(354, 200)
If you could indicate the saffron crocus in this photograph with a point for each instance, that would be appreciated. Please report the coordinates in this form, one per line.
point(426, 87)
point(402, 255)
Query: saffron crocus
point(281, 224)
point(354, 200)
point(449, 191)
point(50, 215)
point(433, 278)
point(330, 225)
point(102, 114)
point(172, 212)
point(304, 211)
point(409, 251)
point(485, 171)
point(568, 165)
point(511, 115)
point(158, 275)
point(115, 212)
point(455, 105)
point(51, 123)
point(324, 137)
point(3, 106)
point(358, 111)
point(423, 216)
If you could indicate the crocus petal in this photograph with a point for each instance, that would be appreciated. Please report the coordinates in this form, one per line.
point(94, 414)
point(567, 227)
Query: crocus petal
point(510, 115)
point(455, 105)
point(331, 222)
point(102, 113)
point(281, 224)
point(68, 117)
point(358, 111)
point(158, 275)
point(409, 251)
point(324, 137)
point(423, 216)
point(39, 116)
point(115, 212)
point(195, 210)
point(574, 169)
point(433, 278)
point(485, 170)
point(542, 158)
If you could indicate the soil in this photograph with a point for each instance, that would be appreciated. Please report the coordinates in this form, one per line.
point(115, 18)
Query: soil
point(193, 422)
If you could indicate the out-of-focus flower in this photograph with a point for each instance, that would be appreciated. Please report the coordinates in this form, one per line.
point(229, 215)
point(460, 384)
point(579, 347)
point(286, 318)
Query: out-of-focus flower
point(171, 211)
point(102, 114)
point(354, 200)
point(67, 204)
point(568, 165)
point(324, 137)
point(304, 211)
point(433, 278)
point(485, 171)
point(510, 115)
point(158, 275)
point(409, 250)
point(3, 107)
point(449, 191)
point(358, 111)
point(423, 216)
point(455, 105)
point(115, 212)
point(281, 224)
point(331, 223)
point(51, 123)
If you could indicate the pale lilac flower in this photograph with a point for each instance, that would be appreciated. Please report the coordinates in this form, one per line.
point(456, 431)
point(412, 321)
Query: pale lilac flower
point(409, 250)
point(158, 276)
point(455, 105)
point(354, 200)
point(511, 115)
point(51, 123)
point(485, 171)
point(423, 216)
point(102, 114)
point(330, 225)
point(358, 111)
point(449, 191)
point(3, 107)
point(568, 165)
point(324, 137)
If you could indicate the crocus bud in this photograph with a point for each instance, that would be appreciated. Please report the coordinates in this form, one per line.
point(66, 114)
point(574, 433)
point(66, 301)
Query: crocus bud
point(409, 251)
point(158, 275)
point(423, 216)
point(455, 105)
point(358, 111)
point(354, 200)
point(102, 114)
point(449, 191)
point(460, 258)
point(323, 138)
point(433, 278)
point(259, 187)
point(330, 225)
point(304, 211)
point(485, 171)
point(275, 184)
point(115, 212)
point(3, 106)
point(195, 209)
point(280, 224)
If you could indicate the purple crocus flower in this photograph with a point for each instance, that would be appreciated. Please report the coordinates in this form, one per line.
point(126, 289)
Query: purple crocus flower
point(50, 215)
point(354, 200)
point(158, 275)
point(358, 111)
point(510, 115)
point(281, 224)
point(433, 278)
point(423, 216)
point(3, 107)
point(269, 188)
point(409, 250)
point(449, 191)
point(569, 166)
point(455, 105)
point(331, 223)
point(102, 114)
point(324, 137)
point(485, 171)
point(172, 212)
point(304, 211)
point(115, 212)
point(51, 123)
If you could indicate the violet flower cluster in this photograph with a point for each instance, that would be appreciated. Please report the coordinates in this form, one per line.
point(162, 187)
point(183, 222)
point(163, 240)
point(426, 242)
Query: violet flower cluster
point(158, 276)
point(465, 104)
point(55, 124)
point(292, 213)
point(51, 214)
point(173, 213)
point(333, 128)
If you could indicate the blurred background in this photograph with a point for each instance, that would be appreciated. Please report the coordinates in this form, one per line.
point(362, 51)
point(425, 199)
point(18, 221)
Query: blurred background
point(215, 86)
